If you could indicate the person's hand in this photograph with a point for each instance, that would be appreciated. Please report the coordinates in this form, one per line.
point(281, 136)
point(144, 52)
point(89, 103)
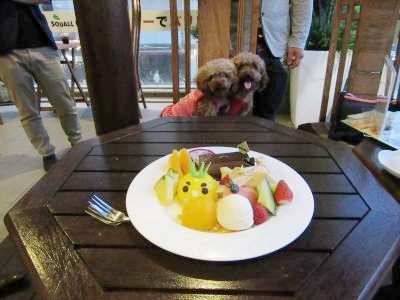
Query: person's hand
point(294, 56)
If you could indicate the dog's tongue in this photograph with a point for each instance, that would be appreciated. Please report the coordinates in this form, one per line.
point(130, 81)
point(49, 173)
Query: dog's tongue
point(248, 84)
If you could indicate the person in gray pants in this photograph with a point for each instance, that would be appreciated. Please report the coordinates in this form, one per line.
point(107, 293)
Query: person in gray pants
point(27, 53)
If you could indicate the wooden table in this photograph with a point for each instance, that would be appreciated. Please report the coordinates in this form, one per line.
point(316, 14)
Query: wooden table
point(346, 252)
point(367, 151)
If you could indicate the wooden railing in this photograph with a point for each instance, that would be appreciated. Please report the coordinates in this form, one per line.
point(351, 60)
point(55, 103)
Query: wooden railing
point(254, 14)
point(344, 12)
point(214, 33)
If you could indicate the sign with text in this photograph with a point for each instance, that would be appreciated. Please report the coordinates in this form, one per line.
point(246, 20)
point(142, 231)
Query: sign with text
point(152, 20)
point(61, 21)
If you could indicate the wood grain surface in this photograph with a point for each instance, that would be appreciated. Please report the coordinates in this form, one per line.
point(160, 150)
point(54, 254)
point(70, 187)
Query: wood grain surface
point(214, 22)
point(368, 151)
point(351, 244)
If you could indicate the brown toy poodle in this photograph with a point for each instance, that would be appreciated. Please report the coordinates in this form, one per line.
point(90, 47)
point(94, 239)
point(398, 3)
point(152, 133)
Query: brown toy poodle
point(218, 80)
point(252, 75)
point(224, 87)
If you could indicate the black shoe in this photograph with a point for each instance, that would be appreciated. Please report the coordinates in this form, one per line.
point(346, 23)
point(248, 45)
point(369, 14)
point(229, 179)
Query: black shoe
point(49, 161)
point(11, 282)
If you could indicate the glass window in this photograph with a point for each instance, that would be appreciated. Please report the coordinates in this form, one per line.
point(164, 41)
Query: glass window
point(60, 16)
point(155, 40)
point(155, 44)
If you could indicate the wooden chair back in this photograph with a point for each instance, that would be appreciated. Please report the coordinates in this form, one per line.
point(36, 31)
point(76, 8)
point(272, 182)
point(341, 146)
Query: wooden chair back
point(375, 29)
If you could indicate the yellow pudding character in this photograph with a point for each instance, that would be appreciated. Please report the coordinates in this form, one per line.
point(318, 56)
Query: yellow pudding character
point(197, 193)
point(196, 184)
point(200, 214)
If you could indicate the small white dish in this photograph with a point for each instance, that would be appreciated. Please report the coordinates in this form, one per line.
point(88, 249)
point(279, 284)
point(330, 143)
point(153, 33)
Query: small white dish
point(390, 160)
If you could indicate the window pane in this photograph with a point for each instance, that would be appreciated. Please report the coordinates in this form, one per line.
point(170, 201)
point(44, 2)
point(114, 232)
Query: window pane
point(155, 40)
point(155, 44)
point(60, 16)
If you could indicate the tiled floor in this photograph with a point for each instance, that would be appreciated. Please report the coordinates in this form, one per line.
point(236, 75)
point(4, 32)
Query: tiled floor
point(21, 166)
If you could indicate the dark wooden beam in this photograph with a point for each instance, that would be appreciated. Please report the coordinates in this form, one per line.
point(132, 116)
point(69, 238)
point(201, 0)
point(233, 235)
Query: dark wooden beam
point(214, 23)
point(343, 57)
point(240, 25)
point(175, 54)
point(255, 17)
point(187, 45)
point(107, 51)
point(331, 60)
point(136, 21)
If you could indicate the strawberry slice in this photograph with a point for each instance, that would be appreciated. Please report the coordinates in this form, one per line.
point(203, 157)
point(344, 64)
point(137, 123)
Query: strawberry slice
point(260, 213)
point(283, 194)
point(226, 181)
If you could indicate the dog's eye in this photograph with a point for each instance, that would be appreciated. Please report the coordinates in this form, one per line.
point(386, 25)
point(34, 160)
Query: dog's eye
point(254, 65)
point(218, 75)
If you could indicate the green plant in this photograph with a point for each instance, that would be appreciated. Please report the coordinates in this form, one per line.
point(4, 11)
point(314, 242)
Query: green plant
point(321, 27)
point(353, 30)
point(194, 30)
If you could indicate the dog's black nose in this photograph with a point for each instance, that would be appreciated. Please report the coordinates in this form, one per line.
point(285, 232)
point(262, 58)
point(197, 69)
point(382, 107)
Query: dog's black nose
point(248, 78)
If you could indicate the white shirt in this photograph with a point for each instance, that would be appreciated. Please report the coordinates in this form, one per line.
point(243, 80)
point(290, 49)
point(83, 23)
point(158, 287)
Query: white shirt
point(286, 23)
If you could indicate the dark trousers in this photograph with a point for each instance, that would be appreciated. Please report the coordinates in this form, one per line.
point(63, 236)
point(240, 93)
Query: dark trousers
point(268, 101)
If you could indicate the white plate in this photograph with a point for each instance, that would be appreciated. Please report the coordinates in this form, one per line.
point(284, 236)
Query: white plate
point(153, 221)
point(390, 160)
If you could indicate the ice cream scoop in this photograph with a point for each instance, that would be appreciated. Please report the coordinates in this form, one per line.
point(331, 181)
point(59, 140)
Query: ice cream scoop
point(234, 212)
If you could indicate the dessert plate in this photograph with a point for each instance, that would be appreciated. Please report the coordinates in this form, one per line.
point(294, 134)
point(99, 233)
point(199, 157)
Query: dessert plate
point(157, 224)
point(390, 160)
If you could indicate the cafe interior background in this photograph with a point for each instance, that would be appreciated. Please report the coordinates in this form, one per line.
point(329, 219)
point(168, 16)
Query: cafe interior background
point(20, 167)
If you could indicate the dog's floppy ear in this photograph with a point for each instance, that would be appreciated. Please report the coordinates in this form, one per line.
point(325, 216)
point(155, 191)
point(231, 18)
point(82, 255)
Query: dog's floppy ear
point(233, 77)
point(234, 87)
point(202, 78)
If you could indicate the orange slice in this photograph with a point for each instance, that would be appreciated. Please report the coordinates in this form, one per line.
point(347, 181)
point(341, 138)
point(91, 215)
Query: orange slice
point(184, 158)
point(174, 162)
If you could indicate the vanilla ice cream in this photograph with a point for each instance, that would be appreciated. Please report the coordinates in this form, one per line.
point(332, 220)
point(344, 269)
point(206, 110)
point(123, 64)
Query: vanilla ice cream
point(234, 212)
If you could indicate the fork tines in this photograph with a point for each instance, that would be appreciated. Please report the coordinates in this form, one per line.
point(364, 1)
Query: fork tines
point(100, 206)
